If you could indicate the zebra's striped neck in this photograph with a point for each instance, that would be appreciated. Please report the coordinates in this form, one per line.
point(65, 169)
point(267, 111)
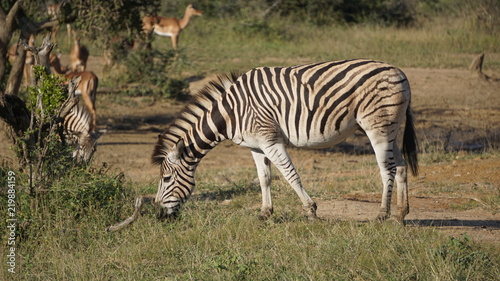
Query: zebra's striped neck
point(200, 126)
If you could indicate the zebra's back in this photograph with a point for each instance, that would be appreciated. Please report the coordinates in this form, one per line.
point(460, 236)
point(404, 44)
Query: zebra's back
point(78, 120)
point(318, 105)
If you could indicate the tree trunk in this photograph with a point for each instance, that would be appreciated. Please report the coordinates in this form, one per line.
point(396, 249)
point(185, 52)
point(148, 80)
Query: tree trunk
point(16, 73)
point(6, 26)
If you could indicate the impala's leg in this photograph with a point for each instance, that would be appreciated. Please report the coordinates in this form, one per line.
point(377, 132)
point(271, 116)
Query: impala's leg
point(54, 32)
point(90, 105)
point(175, 37)
point(26, 75)
point(383, 147)
point(278, 155)
point(402, 186)
point(68, 31)
point(264, 172)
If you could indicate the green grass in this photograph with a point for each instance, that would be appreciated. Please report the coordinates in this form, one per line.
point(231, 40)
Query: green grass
point(219, 46)
point(218, 235)
point(213, 241)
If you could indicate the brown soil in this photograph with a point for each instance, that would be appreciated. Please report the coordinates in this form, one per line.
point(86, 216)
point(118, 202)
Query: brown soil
point(453, 111)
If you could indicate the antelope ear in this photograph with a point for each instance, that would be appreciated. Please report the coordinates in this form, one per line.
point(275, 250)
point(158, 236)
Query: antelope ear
point(175, 153)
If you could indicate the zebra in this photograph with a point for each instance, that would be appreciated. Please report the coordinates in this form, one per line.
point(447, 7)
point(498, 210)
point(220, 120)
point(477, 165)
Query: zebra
point(312, 105)
point(78, 126)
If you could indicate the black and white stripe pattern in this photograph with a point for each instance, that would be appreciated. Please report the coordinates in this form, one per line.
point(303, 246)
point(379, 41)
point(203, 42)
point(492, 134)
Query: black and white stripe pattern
point(78, 126)
point(314, 105)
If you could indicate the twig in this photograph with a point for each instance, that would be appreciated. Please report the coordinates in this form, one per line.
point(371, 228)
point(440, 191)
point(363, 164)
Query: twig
point(137, 210)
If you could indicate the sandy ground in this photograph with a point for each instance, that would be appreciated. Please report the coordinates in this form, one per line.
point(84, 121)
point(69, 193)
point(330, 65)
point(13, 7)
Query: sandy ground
point(453, 111)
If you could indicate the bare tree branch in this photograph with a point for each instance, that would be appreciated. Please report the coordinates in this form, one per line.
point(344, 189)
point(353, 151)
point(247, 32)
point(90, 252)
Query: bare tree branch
point(137, 211)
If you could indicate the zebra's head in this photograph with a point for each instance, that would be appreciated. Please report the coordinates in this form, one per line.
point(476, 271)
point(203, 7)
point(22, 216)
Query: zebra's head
point(85, 146)
point(176, 179)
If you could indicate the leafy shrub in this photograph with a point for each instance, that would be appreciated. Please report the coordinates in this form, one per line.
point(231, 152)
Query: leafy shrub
point(51, 90)
point(79, 196)
point(319, 12)
point(85, 191)
point(146, 71)
point(325, 12)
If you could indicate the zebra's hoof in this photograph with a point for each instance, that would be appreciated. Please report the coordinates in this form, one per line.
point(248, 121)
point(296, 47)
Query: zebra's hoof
point(399, 219)
point(382, 216)
point(312, 217)
point(265, 214)
point(311, 211)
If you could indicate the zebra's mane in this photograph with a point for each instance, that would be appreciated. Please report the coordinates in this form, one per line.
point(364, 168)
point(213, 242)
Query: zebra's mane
point(198, 105)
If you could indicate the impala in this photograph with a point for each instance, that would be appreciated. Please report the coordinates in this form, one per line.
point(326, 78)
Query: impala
point(148, 23)
point(54, 10)
point(171, 27)
point(30, 60)
point(79, 55)
point(87, 87)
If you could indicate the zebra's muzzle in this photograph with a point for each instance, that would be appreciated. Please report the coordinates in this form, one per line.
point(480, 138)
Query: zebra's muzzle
point(166, 213)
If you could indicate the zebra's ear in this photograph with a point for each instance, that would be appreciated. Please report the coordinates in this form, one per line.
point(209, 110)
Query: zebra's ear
point(175, 153)
point(98, 134)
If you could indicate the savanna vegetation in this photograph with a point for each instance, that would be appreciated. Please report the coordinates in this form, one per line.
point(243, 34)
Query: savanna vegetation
point(63, 212)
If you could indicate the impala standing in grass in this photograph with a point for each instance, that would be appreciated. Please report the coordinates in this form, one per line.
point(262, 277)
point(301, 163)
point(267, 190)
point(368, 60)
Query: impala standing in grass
point(87, 87)
point(170, 27)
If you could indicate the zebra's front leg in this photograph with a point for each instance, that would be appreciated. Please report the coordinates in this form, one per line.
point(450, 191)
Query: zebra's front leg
point(264, 172)
point(280, 158)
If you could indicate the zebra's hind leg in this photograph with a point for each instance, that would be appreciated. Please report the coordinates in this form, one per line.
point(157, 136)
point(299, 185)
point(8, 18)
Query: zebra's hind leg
point(280, 158)
point(384, 151)
point(403, 206)
point(264, 172)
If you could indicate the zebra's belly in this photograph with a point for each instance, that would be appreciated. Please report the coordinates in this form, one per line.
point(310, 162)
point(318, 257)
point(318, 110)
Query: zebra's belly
point(319, 141)
point(317, 136)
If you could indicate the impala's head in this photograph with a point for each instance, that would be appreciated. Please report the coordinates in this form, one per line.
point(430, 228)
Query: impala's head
point(148, 23)
point(176, 178)
point(192, 11)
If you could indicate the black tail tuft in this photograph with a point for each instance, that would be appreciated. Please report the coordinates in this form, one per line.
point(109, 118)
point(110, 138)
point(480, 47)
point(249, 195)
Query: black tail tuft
point(410, 143)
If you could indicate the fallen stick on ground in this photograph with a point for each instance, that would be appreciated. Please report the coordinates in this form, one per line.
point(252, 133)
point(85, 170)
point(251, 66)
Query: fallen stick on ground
point(137, 211)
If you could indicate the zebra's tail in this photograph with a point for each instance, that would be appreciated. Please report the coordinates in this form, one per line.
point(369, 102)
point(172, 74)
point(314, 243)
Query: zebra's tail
point(410, 143)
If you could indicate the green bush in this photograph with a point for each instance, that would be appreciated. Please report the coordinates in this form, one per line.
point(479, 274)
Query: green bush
point(51, 90)
point(147, 73)
point(86, 191)
point(80, 196)
point(318, 12)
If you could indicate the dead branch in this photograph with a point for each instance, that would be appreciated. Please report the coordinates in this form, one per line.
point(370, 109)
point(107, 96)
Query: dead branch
point(137, 211)
point(476, 68)
point(42, 53)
